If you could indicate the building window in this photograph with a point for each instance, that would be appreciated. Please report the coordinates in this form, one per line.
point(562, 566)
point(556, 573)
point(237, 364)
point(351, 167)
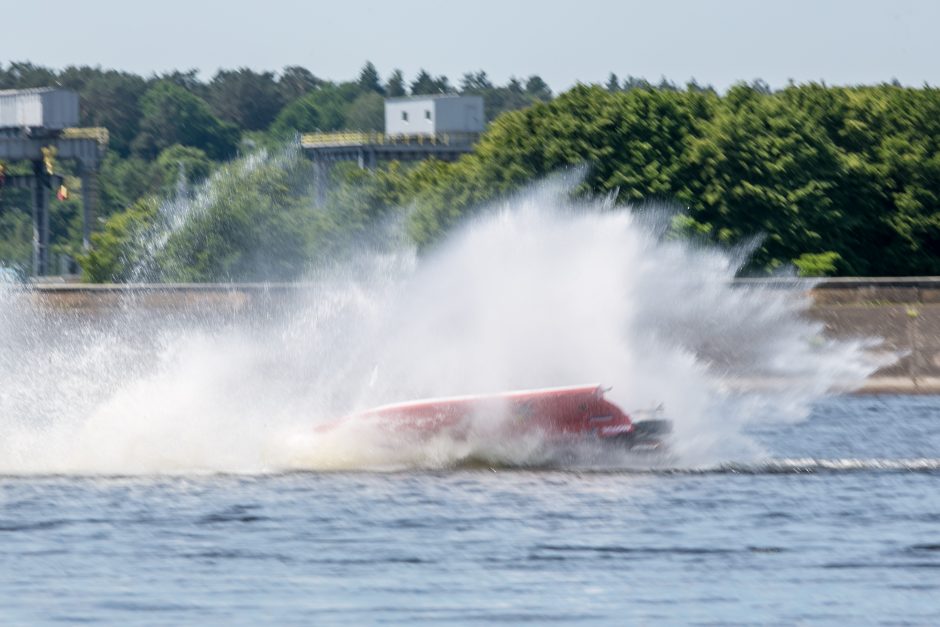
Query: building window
point(404, 116)
point(427, 114)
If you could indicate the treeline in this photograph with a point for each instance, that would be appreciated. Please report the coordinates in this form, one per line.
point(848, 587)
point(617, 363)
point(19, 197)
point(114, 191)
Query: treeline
point(164, 124)
point(836, 180)
point(145, 115)
point(832, 180)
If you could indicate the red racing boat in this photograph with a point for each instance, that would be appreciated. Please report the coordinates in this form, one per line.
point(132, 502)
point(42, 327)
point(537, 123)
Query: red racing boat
point(563, 414)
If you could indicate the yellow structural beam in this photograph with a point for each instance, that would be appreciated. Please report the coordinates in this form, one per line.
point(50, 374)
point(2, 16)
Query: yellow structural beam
point(341, 138)
point(96, 133)
point(358, 138)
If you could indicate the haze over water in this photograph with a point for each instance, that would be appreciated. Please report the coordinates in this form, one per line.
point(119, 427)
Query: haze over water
point(176, 452)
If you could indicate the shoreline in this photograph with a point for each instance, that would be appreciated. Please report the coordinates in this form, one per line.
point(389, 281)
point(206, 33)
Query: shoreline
point(882, 385)
point(901, 314)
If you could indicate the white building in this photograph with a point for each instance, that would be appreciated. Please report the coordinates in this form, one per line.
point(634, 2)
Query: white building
point(47, 108)
point(434, 115)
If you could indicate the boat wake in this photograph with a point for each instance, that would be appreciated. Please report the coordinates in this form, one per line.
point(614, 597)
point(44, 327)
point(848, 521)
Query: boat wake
point(799, 466)
point(604, 462)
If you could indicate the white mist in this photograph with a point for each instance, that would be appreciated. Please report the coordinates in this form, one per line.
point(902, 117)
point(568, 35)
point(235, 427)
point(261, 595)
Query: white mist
point(535, 293)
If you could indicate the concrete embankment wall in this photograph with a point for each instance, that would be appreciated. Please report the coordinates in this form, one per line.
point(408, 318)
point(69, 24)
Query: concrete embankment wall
point(903, 312)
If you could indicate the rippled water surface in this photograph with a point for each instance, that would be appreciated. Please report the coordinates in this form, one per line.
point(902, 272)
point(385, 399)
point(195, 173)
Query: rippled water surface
point(841, 526)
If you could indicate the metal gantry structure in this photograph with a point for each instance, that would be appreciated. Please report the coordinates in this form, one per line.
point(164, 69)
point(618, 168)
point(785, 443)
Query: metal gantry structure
point(38, 126)
point(437, 126)
point(367, 150)
point(26, 136)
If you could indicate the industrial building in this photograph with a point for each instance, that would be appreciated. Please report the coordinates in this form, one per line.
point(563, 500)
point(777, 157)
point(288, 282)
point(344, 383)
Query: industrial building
point(443, 127)
point(434, 115)
point(45, 109)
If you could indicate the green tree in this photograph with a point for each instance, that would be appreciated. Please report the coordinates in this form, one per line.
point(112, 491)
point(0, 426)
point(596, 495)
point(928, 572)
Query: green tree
point(25, 75)
point(425, 84)
point(122, 181)
point(635, 82)
point(321, 110)
point(395, 87)
point(498, 100)
point(250, 100)
point(296, 81)
point(817, 264)
point(613, 83)
point(16, 236)
point(256, 227)
point(369, 79)
point(188, 80)
point(538, 89)
point(120, 248)
point(172, 115)
point(765, 168)
point(181, 166)
point(112, 100)
point(367, 113)
point(76, 77)
point(475, 83)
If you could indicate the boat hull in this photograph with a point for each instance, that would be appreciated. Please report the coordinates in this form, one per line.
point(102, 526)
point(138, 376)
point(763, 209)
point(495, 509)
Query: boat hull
point(555, 414)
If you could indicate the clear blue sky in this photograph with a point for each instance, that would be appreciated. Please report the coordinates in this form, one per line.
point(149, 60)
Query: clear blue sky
point(717, 42)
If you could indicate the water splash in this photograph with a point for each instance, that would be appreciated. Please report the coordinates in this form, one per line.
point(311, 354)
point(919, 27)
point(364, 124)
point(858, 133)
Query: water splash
point(537, 292)
point(177, 211)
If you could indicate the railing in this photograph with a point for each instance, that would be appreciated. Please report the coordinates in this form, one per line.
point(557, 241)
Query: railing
point(96, 133)
point(343, 138)
point(355, 138)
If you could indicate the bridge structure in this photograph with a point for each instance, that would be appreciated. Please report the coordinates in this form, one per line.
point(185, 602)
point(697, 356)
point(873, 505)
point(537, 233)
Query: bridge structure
point(85, 146)
point(39, 126)
point(368, 150)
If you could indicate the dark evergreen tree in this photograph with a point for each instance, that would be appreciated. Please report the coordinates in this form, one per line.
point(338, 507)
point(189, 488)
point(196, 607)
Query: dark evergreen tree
point(635, 82)
point(476, 83)
point(250, 100)
point(296, 81)
point(112, 100)
point(25, 75)
point(188, 80)
point(425, 84)
point(538, 89)
point(395, 87)
point(613, 83)
point(369, 79)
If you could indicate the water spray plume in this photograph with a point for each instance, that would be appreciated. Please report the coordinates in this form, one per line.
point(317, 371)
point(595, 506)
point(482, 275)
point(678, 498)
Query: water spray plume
point(539, 291)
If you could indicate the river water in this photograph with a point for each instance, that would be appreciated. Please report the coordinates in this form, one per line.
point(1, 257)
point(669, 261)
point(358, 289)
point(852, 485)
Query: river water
point(160, 463)
point(840, 525)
